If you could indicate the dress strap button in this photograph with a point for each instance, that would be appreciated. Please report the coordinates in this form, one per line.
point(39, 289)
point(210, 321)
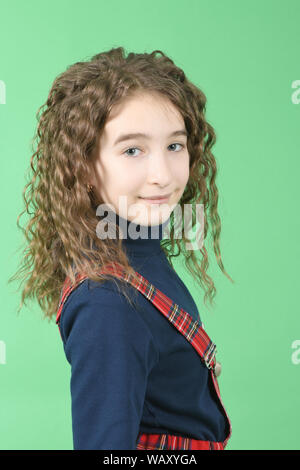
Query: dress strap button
point(217, 369)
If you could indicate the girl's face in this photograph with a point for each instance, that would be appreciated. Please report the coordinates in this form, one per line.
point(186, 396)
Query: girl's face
point(127, 170)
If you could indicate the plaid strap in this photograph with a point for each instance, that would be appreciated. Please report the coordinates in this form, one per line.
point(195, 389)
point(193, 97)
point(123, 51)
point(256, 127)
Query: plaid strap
point(184, 323)
point(65, 292)
point(179, 318)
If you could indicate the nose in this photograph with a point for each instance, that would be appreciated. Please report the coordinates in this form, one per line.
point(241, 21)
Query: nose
point(159, 171)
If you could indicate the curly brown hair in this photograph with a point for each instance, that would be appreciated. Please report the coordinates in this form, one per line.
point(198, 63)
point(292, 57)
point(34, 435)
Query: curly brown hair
point(61, 232)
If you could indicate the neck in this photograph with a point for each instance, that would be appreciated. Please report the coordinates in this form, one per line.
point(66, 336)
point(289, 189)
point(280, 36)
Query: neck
point(141, 240)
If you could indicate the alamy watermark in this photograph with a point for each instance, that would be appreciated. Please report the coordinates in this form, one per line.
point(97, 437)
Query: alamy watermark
point(2, 92)
point(106, 228)
point(296, 94)
point(2, 352)
point(296, 354)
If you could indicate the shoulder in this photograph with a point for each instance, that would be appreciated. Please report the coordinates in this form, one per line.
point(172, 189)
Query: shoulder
point(94, 311)
point(89, 294)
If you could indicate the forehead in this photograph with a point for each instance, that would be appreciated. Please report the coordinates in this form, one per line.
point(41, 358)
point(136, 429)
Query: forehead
point(141, 112)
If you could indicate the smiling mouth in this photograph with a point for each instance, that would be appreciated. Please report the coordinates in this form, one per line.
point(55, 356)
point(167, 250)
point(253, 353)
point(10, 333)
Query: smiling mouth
point(155, 201)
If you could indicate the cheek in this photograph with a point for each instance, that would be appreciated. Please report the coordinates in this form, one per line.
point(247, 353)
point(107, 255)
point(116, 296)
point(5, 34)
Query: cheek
point(125, 183)
point(182, 173)
point(131, 178)
point(130, 183)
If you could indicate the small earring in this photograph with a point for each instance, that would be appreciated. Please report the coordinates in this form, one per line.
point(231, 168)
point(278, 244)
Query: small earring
point(89, 188)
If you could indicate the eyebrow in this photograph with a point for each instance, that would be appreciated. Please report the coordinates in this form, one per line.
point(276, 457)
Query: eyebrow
point(124, 137)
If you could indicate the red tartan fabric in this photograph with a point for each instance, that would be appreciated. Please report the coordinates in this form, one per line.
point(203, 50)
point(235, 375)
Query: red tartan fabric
point(168, 441)
point(191, 330)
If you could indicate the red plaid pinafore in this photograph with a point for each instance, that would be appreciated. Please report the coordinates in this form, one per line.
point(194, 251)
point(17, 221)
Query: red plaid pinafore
point(191, 330)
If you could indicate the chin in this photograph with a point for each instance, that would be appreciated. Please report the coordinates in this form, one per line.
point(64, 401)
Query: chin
point(147, 214)
point(157, 218)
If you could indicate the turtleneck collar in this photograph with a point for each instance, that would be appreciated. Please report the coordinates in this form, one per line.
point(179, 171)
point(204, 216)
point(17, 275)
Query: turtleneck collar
point(141, 240)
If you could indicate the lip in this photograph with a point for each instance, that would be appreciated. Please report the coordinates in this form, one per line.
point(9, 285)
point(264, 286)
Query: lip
point(157, 199)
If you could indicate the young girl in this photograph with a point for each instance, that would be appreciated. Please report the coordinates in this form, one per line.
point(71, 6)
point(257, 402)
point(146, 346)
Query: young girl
point(123, 141)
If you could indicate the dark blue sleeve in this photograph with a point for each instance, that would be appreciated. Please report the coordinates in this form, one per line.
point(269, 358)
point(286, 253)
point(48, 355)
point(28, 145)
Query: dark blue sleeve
point(111, 351)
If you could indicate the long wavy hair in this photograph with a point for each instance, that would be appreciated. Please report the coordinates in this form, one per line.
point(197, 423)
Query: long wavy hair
point(61, 236)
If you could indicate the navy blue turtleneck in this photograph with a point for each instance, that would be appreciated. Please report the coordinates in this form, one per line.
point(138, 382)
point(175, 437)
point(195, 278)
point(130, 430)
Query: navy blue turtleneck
point(131, 370)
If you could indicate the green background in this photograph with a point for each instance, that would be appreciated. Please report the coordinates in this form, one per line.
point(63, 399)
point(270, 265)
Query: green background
point(245, 57)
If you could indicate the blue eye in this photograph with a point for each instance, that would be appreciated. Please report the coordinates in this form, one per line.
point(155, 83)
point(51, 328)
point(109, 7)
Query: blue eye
point(131, 148)
point(136, 148)
point(182, 146)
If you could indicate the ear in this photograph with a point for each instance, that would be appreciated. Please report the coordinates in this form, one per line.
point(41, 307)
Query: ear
point(90, 176)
